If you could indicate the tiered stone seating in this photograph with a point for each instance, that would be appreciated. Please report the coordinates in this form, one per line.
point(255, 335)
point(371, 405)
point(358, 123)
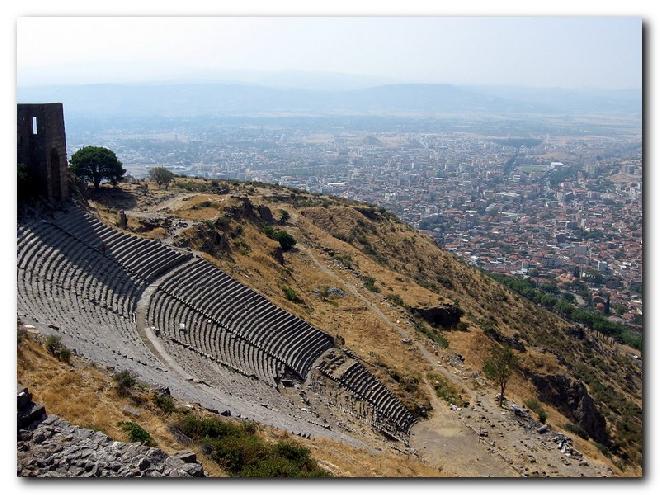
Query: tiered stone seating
point(253, 332)
point(144, 259)
point(85, 322)
point(84, 280)
point(167, 313)
point(388, 409)
point(49, 253)
point(389, 413)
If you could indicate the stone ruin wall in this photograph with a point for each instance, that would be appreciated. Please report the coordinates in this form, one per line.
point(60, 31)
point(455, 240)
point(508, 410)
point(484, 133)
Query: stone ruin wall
point(41, 147)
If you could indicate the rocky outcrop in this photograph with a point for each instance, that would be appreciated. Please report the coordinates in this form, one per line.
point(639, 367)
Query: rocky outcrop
point(48, 446)
point(444, 316)
point(513, 342)
point(27, 411)
point(371, 213)
point(577, 332)
point(572, 398)
point(243, 211)
point(207, 238)
point(265, 214)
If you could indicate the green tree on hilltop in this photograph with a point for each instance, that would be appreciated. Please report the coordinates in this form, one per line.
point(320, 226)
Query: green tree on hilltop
point(161, 176)
point(95, 164)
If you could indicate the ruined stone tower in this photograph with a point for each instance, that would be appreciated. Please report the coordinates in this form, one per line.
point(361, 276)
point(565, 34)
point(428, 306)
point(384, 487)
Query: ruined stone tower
point(42, 147)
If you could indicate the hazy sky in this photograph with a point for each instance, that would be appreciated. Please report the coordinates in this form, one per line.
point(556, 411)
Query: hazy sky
point(554, 52)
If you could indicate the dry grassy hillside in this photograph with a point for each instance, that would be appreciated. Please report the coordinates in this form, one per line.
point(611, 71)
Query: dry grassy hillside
point(358, 273)
point(87, 396)
point(552, 345)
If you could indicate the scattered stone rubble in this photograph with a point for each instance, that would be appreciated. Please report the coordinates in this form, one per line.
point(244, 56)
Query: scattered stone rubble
point(48, 446)
point(529, 447)
point(330, 292)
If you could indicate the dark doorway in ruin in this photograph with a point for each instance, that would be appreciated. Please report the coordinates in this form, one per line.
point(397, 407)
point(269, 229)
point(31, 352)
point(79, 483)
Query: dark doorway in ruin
point(54, 173)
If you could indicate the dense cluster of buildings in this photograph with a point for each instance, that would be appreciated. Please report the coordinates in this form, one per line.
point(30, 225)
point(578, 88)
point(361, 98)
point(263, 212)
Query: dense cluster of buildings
point(564, 210)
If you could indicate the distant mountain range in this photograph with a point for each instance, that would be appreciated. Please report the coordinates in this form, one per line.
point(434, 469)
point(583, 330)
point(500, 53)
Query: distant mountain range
point(194, 100)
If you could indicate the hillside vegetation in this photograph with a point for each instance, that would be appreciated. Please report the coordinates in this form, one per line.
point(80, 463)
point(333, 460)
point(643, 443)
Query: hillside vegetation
point(403, 305)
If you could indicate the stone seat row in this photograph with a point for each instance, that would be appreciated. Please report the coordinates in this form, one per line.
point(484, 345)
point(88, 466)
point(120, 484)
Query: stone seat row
point(49, 254)
point(75, 316)
point(367, 387)
point(287, 344)
point(144, 258)
point(84, 318)
point(168, 314)
point(246, 312)
point(92, 289)
point(265, 369)
point(374, 391)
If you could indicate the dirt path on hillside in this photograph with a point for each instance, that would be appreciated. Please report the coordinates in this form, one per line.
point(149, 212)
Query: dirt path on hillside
point(443, 439)
point(167, 202)
point(483, 439)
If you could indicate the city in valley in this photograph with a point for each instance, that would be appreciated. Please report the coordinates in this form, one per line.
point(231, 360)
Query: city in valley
point(560, 206)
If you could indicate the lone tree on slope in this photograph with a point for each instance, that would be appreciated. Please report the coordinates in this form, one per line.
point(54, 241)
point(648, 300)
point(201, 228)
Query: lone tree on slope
point(500, 366)
point(161, 176)
point(95, 164)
